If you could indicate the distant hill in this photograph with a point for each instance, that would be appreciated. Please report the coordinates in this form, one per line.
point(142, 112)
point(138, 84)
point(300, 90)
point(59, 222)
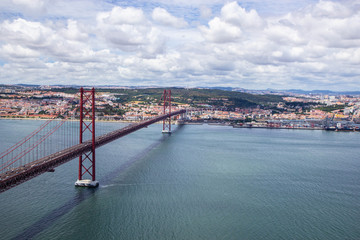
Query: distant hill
point(197, 97)
point(228, 89)
point(287, 91)
point(324, 92)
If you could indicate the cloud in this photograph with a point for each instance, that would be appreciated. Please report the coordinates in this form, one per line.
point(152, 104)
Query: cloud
point(163, 17)
point(34, 4)
point(129, 30)
point(306, 43)
point(32, 34)
point(233, 21)
point(281, 34)
point(238, 16)
point(31, 7)
point(73, 32)
point(238, 44)
point(28, 38)
point(327, 9)
point(17, 51)
point(205, 12)
point(220, 31)
point(120, 16)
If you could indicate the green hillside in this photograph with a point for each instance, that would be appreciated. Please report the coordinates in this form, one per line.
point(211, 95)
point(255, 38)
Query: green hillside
point(196, 97)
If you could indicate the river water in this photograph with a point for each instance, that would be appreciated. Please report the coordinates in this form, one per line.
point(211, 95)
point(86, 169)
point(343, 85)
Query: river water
point(202, 182)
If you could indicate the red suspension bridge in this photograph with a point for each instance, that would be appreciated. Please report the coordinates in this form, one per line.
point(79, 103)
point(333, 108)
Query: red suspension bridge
point(53, 144)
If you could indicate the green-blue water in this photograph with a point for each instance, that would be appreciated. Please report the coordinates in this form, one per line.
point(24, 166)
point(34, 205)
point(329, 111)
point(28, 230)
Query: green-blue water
point(202, 182)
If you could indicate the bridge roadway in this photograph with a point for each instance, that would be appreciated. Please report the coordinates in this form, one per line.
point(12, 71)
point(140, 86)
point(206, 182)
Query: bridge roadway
point(28, 171)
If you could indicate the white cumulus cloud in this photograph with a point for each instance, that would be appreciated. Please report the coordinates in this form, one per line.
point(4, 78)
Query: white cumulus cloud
point(129, 30)
point(163, 17)
point(198, 43)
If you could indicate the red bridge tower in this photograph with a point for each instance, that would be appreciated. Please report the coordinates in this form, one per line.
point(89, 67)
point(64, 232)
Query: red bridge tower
point(87, 160)
point(167, 110)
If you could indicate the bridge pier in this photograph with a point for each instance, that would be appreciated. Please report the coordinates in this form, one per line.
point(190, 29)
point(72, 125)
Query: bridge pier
point(86, 183)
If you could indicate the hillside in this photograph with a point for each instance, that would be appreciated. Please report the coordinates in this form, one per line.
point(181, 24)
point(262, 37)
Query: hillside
point(197, 97)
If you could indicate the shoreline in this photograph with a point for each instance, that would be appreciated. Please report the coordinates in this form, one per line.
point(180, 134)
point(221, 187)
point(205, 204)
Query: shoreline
point(202, 123)
point(45, 119)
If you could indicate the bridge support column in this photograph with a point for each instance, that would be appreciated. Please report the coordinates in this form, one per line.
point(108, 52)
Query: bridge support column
point(87, 160)
point(184, 116)
point(167, 110)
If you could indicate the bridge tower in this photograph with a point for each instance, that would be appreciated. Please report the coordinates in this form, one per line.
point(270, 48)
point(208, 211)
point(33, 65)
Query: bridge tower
point(167, 110)
point(87, 160)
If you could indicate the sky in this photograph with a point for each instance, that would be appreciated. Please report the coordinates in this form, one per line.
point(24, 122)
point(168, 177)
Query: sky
point(252, 44)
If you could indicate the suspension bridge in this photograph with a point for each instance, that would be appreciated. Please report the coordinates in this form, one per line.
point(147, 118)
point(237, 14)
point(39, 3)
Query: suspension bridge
point(35, 154)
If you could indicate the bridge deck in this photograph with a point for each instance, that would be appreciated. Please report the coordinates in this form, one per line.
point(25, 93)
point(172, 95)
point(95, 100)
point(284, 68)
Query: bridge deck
point(24, 173)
